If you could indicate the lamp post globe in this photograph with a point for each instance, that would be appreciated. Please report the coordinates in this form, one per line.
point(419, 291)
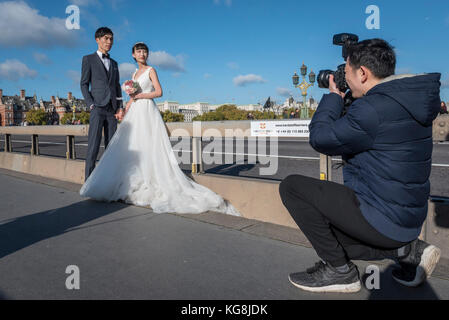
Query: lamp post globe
point(295, 79)
point(303, 70)
point(312, 77)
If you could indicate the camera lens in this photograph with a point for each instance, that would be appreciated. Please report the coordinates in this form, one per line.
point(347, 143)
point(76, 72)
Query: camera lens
point(323, 78)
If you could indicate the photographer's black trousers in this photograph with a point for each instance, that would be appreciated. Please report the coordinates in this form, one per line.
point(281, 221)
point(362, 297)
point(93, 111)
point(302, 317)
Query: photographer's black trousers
point(329, 216)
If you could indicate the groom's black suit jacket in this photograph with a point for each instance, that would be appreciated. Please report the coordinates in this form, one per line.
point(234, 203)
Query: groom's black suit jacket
point(104, 84)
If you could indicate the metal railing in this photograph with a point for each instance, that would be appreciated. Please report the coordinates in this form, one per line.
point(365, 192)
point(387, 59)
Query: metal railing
point(34, 131)
point(196, 130)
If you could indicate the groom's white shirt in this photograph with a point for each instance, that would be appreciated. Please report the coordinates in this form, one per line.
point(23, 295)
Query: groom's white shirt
point(106, 61)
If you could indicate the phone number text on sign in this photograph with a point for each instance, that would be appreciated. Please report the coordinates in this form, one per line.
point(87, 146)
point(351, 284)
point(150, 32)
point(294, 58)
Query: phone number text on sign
point(294, 128)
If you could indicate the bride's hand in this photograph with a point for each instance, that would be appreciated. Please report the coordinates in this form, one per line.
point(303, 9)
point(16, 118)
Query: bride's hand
point(128, 105)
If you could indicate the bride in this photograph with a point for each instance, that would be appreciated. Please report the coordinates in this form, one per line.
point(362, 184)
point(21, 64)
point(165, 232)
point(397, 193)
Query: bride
point(139, 166)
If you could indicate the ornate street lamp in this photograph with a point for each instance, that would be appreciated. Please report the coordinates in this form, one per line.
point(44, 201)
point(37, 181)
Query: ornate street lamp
point(73, 110)
point(303, 86)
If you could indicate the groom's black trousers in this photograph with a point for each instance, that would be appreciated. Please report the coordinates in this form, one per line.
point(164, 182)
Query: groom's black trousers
point(329, 216)
point(100, 117)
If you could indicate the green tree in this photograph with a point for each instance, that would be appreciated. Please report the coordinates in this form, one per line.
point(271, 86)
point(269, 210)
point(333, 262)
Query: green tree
point(84, 117)
point(210, 116)
point(37, 117)
point(231, 112)
point(264, 115)
point(66, 119)
point(311, 112)
point(169, 116)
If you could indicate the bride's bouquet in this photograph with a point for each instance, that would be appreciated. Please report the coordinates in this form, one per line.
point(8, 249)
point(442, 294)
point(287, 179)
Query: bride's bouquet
point(131, 87)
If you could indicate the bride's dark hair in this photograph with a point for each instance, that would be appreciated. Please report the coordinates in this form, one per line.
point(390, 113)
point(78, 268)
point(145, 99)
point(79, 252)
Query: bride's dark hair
point(139, 46)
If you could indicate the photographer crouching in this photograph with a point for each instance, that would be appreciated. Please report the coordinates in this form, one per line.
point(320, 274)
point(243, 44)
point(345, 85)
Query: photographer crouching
point(385, 140)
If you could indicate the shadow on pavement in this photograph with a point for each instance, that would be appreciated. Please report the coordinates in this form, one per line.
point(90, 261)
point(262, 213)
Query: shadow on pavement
point(22, 232)
point(392, 290)
point(231, 169)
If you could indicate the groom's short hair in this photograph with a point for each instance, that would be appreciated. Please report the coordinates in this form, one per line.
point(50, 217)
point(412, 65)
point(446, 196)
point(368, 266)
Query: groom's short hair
point(101, 32)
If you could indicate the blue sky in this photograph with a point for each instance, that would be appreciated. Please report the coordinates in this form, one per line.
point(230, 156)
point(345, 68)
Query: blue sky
point(216, 51)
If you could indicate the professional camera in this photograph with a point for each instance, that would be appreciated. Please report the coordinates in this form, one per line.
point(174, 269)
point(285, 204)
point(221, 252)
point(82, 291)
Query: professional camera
point(345, 40)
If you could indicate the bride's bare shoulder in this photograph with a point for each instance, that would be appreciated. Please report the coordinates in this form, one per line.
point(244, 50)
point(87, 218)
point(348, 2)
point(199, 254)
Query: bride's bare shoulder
point(152, 71)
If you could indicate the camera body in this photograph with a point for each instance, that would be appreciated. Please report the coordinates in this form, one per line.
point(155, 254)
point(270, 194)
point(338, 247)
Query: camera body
point(345, 40)
point(339, 78)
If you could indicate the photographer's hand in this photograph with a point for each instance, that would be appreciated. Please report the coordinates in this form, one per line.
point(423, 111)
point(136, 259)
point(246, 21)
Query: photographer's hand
point(333, 87)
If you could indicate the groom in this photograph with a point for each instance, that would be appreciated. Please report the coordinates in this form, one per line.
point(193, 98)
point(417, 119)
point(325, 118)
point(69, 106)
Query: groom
point(104, 97)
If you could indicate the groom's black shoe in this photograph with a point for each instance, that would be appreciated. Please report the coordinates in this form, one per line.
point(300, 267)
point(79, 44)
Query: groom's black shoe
point(325, 278)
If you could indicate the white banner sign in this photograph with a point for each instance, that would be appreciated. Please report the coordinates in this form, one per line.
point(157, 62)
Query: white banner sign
point(291, 128)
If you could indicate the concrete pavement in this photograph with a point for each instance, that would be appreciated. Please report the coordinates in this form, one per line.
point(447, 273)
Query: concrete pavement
point(128, 252)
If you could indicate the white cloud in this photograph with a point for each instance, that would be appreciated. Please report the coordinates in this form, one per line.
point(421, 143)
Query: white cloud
point(228, 3)
point(85, 3)
point(126, 70)
point(115, 4)
point(243, 80)
point(233, 65)
point(445, 84)
point(22, 26)
point(75, 76)
point(403, 70)
point(166, 61)
point(284, 92)
point(159, 59)
point(14, 70)
point(121, 31)
point(42, 58)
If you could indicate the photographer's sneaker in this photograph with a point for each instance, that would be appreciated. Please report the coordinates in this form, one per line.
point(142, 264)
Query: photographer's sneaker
point(418, 265)
point(325, 278)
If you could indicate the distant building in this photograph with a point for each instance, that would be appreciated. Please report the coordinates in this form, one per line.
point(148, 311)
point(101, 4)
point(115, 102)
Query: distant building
point(291, 103)
point(313, 104)
point(175, 107)
point(199, 107)
point(251, 107)
point(171, 106)
point(188, 114)
point(13, 109)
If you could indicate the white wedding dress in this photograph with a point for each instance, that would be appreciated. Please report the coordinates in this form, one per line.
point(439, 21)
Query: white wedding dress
point(139, 166)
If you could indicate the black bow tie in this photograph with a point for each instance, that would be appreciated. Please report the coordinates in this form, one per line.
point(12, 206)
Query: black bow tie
point(105, 55)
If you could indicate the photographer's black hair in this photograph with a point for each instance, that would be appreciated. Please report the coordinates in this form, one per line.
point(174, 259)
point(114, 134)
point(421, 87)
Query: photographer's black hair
point(139, 46)
point(101, 32)
point(375, 54)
